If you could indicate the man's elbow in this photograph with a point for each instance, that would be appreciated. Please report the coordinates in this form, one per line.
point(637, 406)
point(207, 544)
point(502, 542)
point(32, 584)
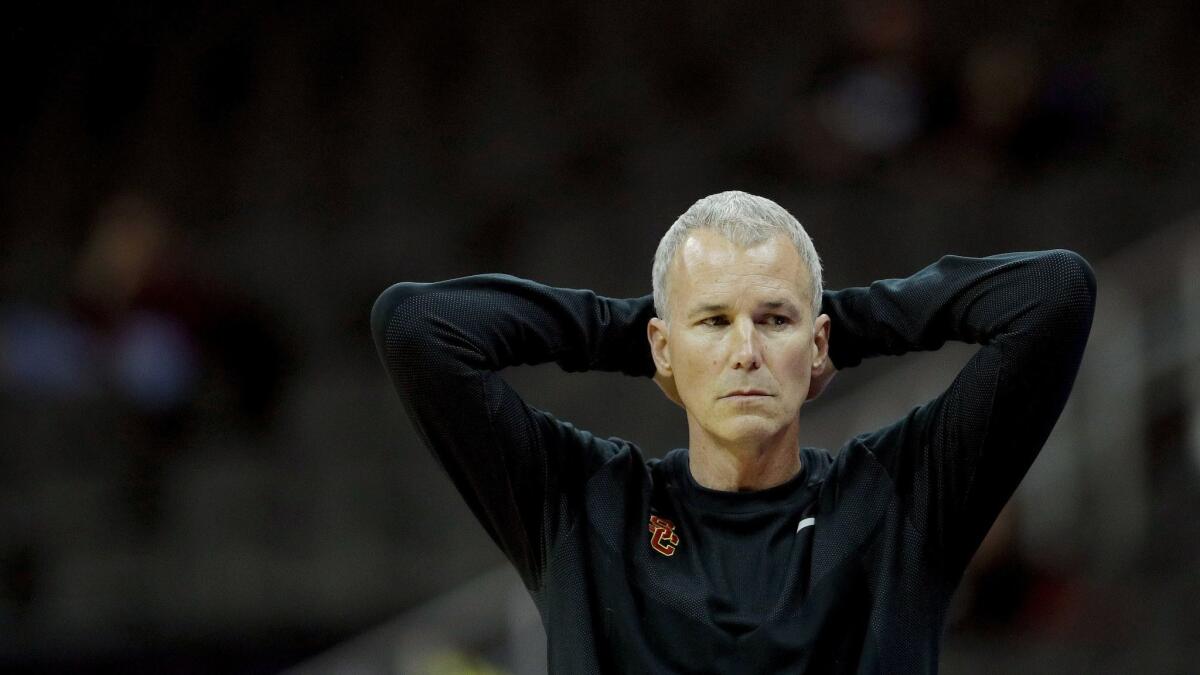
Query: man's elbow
point(1071, 290)
point(385, 308)
point(1077, 276)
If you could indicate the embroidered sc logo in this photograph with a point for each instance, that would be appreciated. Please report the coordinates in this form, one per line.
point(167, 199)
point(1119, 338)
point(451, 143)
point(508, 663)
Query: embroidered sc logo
point(662, 536)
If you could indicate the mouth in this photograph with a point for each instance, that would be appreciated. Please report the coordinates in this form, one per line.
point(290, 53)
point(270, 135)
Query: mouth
point(745, 393)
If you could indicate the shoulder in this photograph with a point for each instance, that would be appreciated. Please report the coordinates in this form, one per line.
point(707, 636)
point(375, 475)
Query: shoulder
point(817, 463)
point(610, 454)
point(872, 453)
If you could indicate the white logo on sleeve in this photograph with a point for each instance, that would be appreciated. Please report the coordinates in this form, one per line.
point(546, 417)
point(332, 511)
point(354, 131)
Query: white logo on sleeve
point(805, 523)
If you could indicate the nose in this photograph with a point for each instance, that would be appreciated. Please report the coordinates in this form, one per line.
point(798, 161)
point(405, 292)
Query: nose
point(747, 350)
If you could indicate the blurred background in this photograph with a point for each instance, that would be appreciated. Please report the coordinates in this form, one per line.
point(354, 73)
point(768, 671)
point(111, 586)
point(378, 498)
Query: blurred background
point(203, 466)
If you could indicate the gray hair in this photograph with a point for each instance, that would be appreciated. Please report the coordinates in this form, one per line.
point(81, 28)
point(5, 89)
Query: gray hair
point(742, 218)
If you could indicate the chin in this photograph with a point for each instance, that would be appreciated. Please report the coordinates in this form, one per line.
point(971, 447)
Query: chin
point(749, 427)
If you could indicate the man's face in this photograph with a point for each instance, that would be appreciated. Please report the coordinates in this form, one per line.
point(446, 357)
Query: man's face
point(742, 343)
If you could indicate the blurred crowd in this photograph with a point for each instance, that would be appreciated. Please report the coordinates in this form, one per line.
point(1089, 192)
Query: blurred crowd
point(140, 332)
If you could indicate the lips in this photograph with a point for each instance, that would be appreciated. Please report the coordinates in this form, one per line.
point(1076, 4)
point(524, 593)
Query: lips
point(746, 392)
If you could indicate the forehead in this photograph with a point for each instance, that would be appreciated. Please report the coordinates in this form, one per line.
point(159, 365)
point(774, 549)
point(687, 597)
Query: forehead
point(709, 265)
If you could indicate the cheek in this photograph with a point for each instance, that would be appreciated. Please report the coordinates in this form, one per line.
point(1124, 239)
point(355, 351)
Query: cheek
point(696, 376)
point(695, 358)
point(700, 370)
point(797, 367)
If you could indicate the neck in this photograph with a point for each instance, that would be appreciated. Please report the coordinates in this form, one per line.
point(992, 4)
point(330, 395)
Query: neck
point(758, 464)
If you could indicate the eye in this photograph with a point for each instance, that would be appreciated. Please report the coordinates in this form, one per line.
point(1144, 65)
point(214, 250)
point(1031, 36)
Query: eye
point(778, 320)
point(712, 321)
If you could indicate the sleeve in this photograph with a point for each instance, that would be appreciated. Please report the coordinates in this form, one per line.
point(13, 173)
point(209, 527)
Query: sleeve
point(442, 344)
point(956, 460)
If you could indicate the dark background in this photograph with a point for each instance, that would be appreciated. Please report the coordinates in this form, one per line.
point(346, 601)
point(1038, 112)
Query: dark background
point(203, 466)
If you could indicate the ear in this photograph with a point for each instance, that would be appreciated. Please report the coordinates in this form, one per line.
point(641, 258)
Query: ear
point(657, 333)
point(821, 329)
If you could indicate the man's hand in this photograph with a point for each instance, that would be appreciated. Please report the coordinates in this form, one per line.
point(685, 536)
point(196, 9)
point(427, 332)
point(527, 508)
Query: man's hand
point(667, 384)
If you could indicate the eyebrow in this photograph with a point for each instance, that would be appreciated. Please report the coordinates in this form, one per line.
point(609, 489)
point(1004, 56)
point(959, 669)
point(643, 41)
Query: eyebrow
point(720, 307)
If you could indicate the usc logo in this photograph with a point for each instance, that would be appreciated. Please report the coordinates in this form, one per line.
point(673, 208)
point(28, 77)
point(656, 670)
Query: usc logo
point(662, 536)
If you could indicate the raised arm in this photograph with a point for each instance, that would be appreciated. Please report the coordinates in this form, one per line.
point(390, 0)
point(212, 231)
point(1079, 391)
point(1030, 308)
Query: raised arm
point(957, 459)
point(513, 464)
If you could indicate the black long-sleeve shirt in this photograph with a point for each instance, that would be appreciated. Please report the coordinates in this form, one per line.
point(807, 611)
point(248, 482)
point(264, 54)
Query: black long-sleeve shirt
point(848, 567)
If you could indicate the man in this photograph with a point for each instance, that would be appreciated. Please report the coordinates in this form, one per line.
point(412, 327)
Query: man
point(745, 552)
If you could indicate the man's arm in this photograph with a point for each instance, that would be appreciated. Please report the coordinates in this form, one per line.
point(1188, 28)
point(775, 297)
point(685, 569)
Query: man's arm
point(957, 459)
point(442, 343)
